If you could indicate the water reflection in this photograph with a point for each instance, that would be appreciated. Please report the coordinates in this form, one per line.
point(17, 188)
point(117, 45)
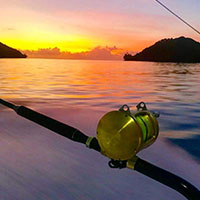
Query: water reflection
point(191, 145)
point(179, 82)
point(69, 82)
point(170, 88)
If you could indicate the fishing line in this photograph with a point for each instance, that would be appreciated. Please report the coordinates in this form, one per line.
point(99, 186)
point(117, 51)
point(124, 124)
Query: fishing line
point(178, 17)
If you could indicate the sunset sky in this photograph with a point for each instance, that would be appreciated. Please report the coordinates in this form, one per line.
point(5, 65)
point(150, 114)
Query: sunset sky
point(82, 25)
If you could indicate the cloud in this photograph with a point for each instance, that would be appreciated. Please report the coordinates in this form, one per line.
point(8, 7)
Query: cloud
point(8, 29)
point(97, 53)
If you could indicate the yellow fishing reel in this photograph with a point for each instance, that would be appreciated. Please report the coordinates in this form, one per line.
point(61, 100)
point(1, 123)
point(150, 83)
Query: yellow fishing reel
point(123, 133)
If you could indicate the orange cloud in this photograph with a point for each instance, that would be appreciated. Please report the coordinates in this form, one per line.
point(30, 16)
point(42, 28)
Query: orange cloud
point(97, 53)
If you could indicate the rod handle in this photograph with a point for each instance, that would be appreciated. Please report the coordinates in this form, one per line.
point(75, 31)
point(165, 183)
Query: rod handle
point(56, 126)
point(7, 104)
point(52, 124)
point(167, 178)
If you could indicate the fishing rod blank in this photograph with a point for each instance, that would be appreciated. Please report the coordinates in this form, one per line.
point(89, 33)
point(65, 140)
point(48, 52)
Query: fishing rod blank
point(52, 124)
point(167, 178)
point(173, 13)
point(134, 131)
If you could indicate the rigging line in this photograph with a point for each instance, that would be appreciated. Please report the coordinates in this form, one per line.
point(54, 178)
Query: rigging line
point(178, 17)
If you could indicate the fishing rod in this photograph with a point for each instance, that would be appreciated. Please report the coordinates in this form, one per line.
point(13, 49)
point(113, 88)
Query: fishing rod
point(121, 134)
point(177, 16)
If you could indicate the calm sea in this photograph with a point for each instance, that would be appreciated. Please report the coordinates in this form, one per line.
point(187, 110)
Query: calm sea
point(37, 164)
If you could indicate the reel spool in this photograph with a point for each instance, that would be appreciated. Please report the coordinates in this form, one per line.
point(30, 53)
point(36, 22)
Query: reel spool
point(122, 134)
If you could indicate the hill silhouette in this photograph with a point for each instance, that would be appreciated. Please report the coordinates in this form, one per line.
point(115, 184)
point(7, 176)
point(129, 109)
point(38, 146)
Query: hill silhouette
point(8, 52)
point(180, 49)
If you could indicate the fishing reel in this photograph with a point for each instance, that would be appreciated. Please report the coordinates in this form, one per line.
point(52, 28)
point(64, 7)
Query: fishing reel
point(120, 136)
point(123, 133)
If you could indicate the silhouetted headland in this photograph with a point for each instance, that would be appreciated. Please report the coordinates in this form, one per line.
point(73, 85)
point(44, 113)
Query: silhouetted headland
point(8, 52)
point(180, 49)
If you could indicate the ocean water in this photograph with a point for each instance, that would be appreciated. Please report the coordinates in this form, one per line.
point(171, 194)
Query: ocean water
point(38, 164)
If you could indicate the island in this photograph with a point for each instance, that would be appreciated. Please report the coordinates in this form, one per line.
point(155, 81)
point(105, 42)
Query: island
point(185, 50)
point(8, 52)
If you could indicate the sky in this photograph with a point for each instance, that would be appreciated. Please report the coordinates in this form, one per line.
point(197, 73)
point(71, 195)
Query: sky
point(76, 26)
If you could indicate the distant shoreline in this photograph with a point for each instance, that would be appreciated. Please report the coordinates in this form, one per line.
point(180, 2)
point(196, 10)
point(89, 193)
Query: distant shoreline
point(178, 50)
point(8, 52)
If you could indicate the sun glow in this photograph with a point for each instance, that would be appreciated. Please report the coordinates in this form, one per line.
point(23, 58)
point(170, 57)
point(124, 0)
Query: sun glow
point(72, 27)
point(40, 30)
point(71, 43)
